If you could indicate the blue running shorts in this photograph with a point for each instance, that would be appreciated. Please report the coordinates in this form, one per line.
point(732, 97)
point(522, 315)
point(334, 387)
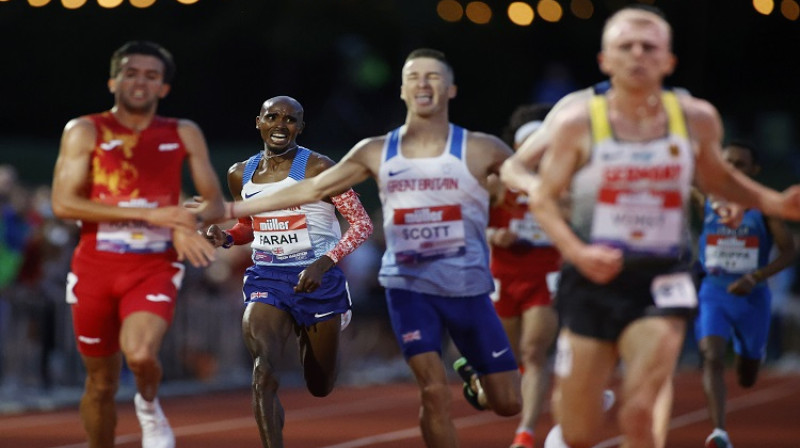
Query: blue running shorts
point(273, 285)
point(419, 321)
point(746, 318)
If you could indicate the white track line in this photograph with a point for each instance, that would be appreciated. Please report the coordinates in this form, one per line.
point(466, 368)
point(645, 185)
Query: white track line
point(742, 402)
point(366, 405)
point(754, 398)
point(408, 433)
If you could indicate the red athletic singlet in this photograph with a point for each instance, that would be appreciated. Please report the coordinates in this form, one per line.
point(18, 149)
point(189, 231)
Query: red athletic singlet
point(123, 267)
point(520, 271)
point(136, 169)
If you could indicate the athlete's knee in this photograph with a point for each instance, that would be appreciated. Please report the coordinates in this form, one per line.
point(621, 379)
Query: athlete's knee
point(533, 353)
point(101, 387)
point(713, 359)
point(504, 399)
point(436, 397)
point(747, 372)
point(265, 377)
point(578, 438)
point(506, 408)
point(141, 360)
point(320, 385)
point(635, 417)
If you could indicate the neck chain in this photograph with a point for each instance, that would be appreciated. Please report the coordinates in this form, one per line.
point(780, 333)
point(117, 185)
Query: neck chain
point(268, 156)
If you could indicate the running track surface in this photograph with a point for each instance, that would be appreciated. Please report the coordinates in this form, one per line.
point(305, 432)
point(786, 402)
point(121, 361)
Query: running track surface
point(385, 416)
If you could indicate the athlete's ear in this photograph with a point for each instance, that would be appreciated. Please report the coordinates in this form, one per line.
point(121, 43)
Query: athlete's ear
point(600, 63)
point(672, 62)
point(300, 127)
point(164, 90)
point(452, 91)
point(112, 85)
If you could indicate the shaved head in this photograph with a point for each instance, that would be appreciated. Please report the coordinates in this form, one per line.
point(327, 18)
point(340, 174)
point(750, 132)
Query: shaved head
point(638, 16)
point(291, 102)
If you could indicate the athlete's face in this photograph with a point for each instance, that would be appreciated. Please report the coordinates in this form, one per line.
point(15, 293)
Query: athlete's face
point(741, 159)
point(636, 50)
point(427, 86)
point(280, 122)
point(139, 84)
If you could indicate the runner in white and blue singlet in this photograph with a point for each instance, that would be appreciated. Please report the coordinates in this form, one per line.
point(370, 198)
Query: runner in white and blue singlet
point(432, 177)
point(294, 287)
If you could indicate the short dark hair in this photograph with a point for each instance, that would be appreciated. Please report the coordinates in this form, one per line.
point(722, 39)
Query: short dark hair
point(524, 114)
point(747, 146)
point(433, 54)
point(146, 48)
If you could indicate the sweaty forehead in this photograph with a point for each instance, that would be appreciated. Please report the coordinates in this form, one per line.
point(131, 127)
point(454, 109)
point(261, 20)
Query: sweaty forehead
point(142, 62)
point(281, 107)
point(424, 65)
point(626, 23)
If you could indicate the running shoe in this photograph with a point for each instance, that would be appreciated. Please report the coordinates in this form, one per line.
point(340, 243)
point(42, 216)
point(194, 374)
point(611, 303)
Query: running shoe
point(523, 439)
point(156, 432)
point(718, 439)
point(467, 373)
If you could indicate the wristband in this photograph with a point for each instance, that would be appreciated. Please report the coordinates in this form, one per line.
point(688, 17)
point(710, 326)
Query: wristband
point(490, 231)
point(757, 275)
point(228, 241)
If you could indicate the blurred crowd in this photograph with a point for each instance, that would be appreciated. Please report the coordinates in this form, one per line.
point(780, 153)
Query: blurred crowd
point(38, 357)
point(204, 346)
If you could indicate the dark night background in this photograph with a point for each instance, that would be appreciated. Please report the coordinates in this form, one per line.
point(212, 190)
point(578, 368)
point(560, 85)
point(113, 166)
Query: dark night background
point(342, 58)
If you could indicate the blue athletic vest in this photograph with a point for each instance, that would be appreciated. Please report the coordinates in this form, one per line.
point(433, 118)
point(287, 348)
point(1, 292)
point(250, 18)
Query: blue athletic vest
point(726, 254)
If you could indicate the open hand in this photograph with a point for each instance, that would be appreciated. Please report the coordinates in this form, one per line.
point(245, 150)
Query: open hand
point(192, 247)
point(215, 235)
point(600, 264)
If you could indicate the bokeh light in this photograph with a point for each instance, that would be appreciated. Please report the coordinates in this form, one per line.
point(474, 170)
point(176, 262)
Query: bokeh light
point(73, 4)
point(109, 3)
point(142, 3)
point(520, 13)
point(187, 2)
point(764, 6)
point(790, 9)
point(582, 9)
point(38, 3)
point(479, 12)
point(549, 10)
point(450, 10)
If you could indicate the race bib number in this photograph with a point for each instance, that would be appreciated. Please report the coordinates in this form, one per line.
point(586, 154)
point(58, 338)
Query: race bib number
point(552, 279)
point(133, 236)
point(281, 239)
point(647, 222)
point(529, 230)
point(674, 291)
point(428, 233)
point(731, 254)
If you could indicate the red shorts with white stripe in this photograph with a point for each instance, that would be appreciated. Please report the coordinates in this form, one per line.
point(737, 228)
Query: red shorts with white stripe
point(105, 289)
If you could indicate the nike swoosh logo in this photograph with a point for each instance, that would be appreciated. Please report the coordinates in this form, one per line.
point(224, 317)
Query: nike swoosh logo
point(248, 196)
point(88, 340)
point(168, 146)
point(318, 315)
point(395, 173)
point(499, 354)
point(158, 298)
point(108, 146)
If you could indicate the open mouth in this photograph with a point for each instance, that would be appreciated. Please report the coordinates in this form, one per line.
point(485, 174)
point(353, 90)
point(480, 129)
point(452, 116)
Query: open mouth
point(423, 99)
point(279, 137)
